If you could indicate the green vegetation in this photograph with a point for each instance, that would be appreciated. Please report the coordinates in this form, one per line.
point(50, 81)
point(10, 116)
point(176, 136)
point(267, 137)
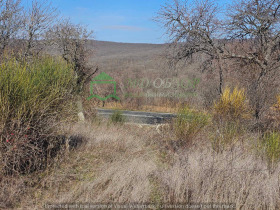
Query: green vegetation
point(271, 147)
point(189, 123)
point(226, 134)
point(29, 90)
point(117, 117)
point(34, 97)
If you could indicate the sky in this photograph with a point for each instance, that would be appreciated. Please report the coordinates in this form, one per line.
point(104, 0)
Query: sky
point(116, 20)
point(128, 21)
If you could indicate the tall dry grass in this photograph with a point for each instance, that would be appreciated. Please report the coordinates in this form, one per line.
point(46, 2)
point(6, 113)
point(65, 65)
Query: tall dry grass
point(232, 104)
point(121, 165)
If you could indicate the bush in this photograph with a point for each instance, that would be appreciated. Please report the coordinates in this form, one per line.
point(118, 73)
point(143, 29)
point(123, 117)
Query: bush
point(34, 97)
point(271, 147)
point(277, 105)
point(29, 89)
point(117, 117)
point(277, 114)
point(232, 105)
point(189, 123)
point(276, 109)
point(226, 134)
point(271, 119)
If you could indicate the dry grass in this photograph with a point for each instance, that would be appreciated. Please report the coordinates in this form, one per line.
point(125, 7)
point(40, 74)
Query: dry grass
point(233, 104)
point(129, 163)
point(120, 164)
point(233, 177)
point(109, 152)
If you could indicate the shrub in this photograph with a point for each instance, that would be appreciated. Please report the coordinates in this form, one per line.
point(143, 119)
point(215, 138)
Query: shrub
point(189, 123)
point(271, 120)
point(232, 105)
point(34, 96)
point(117, 117)
point(271, 147)
point(277, 105)
point(29, 89)
point(277, 114)
point(226, 134)
point(276, 109)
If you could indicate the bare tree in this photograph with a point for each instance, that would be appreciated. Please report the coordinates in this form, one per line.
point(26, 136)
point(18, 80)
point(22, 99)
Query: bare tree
point(194, 29)
point(71, 40)
point(38, 19)
point(248, 36)
point(254, 28)
point(11, 21)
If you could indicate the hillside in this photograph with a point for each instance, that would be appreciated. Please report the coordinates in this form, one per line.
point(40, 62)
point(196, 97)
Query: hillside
point(114, 56)
point(105, 49)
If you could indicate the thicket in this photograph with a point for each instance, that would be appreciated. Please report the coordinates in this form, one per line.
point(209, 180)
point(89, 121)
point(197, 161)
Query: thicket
point(34, 98)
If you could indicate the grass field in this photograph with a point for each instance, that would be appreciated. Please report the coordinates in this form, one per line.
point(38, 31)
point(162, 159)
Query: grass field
point(121, 165)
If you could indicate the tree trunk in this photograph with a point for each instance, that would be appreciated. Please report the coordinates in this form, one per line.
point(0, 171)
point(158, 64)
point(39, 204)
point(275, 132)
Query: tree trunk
point(221, 77)
point(257, 95)
point(80, 109)
point(257, 109)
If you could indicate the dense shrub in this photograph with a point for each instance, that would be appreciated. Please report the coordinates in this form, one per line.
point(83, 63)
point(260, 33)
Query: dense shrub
point(271, 118)
point(117, 117)
point(270, 145)
point(29, 89)
point(232, 105)
point(34, 96)
point(276, 109)
point(277, 105)
point(225, 134)
point(189, 123)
